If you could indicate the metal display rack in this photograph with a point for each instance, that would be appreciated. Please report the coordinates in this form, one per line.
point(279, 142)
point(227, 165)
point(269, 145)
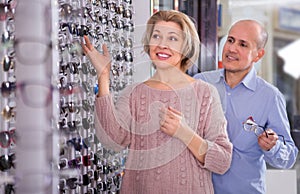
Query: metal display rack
point(48, 141)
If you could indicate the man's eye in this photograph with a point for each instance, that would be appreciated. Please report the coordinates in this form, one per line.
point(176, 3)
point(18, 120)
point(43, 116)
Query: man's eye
point(243, 45)
point(230, 40)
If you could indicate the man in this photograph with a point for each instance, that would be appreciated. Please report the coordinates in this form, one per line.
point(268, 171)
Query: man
point(243, 95)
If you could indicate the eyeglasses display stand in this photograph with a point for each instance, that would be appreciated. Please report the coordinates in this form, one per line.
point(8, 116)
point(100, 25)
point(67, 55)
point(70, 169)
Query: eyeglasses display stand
point(48, 140)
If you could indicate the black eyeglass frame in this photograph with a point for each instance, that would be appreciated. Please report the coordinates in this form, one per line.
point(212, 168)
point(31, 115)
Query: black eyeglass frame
point(250, 121)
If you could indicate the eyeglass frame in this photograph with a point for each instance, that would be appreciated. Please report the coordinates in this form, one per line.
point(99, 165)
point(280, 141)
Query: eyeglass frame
point(26, 61)
point(259, 126)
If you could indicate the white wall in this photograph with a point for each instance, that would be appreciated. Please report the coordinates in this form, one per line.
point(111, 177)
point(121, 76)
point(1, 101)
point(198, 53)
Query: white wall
point(281, 181)
point(142, 66)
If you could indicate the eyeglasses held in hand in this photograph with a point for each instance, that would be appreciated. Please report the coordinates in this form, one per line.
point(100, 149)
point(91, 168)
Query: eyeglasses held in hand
point(251, 125)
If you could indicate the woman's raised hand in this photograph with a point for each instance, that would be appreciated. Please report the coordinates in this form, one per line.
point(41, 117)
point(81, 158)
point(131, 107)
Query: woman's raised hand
point(101, 61)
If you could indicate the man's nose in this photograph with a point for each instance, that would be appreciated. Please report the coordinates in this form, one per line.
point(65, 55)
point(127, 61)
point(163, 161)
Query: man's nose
point(232, 47)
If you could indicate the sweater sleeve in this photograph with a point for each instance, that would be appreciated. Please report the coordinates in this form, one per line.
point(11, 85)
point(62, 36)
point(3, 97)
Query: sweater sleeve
point(112, 121)
point(219, 153)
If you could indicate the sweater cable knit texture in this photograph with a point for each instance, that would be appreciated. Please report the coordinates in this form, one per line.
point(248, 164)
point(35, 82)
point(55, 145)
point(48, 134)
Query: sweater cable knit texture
point(156, 162)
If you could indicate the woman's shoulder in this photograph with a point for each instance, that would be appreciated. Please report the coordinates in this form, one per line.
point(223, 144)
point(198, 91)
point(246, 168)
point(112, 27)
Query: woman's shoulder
point(203, 85)
point(205, 89)
point(134, 89)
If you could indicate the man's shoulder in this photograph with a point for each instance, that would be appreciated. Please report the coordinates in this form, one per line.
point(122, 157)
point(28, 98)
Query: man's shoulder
point(262, 83)
point(267, 88)
point(208, 76)
point(208, 73)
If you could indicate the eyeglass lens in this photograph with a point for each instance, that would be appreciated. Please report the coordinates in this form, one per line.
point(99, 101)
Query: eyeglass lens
point(251, 125)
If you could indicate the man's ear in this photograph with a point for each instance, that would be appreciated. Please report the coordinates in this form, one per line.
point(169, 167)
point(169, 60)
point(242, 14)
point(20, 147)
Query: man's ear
point(261, 53)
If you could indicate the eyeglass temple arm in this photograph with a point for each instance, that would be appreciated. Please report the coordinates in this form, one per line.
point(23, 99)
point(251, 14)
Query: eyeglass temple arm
point(282, 139)
point(264, 128)
point(270, 133)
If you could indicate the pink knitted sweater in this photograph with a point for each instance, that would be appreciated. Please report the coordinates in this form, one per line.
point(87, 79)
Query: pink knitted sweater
point(158, 163)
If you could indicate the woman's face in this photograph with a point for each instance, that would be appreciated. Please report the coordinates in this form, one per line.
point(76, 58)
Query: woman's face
point(165, 45)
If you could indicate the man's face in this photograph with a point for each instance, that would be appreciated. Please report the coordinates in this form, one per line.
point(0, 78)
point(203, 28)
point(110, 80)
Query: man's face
point(240, 50)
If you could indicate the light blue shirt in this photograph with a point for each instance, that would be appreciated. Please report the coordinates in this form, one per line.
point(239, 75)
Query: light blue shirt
point(251, 97)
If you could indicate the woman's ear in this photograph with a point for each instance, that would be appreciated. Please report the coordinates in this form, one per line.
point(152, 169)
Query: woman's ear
point(261, 53)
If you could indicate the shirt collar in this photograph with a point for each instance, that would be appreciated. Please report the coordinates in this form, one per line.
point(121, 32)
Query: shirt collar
point(248, 81)
point(221, 76)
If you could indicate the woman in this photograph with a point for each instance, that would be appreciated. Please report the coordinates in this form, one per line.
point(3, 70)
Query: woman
point(172, 124)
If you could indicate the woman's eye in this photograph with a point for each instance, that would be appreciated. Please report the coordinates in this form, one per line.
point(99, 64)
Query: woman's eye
point(155, 36)
point(173, 38)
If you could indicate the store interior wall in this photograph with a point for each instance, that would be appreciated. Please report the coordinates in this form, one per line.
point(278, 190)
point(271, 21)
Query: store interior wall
point(142, 67)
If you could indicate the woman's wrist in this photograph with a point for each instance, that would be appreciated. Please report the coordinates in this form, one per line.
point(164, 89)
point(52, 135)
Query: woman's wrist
point(203, 147)
point(185, 134)
point(103, 84)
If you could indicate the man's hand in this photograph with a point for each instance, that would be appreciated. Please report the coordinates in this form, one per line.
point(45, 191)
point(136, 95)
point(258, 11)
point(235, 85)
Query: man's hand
point(267, 142)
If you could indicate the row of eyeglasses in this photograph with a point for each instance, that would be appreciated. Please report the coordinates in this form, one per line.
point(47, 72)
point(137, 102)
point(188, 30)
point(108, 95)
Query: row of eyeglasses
point(8, 135)
point(104, 21)
point(99, 170)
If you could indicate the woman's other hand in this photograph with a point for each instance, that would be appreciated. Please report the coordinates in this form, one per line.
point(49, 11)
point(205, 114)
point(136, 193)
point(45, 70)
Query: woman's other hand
point(173, 123)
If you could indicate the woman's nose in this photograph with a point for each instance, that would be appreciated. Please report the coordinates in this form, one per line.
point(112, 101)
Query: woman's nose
point(163, 43)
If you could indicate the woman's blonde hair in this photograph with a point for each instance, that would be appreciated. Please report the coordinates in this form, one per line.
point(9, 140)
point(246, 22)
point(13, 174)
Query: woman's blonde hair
point(191, 44)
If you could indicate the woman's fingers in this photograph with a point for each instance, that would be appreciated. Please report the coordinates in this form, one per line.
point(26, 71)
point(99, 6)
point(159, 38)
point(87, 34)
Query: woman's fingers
point(174, 111)
point(87, 46)
point(105, 50)
point(170, 120)
point(88, 42)
point(170, 115)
